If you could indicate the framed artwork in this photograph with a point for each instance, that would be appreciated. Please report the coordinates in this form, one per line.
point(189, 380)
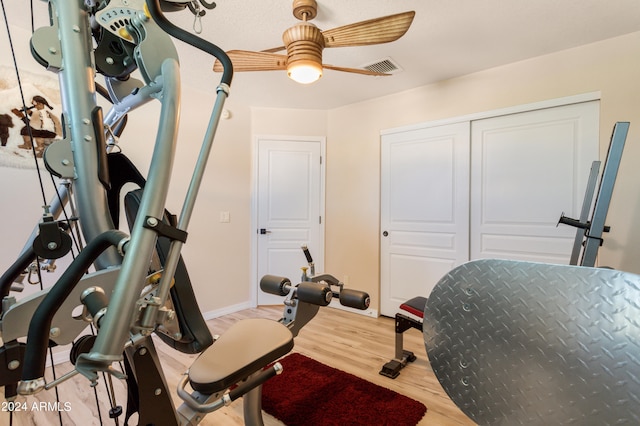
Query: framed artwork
point(25, 132)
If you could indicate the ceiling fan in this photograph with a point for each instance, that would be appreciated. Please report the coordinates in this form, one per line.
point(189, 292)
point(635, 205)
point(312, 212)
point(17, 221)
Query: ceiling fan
point(304, 43)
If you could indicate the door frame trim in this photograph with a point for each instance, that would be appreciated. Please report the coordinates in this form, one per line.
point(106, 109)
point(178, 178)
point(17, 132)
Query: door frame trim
point(318, 257)
point(549, 103)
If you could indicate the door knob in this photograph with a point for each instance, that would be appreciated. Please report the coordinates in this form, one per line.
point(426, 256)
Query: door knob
point(385, 233)
point(263, 231)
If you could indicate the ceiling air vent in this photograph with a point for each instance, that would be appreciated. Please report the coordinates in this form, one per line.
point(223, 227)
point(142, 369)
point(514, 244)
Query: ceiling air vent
point(386, 65)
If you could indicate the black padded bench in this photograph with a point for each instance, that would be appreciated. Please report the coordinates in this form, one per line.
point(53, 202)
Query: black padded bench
point(405, 322)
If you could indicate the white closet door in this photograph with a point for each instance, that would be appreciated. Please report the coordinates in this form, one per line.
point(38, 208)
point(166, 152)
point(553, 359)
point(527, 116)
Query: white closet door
point(424, 210)
point(527, 169)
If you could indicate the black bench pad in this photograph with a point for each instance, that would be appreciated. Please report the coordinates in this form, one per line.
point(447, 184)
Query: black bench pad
point(415, 306)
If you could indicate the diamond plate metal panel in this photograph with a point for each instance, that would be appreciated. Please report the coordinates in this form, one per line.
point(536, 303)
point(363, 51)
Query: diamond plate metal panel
point(528, 343)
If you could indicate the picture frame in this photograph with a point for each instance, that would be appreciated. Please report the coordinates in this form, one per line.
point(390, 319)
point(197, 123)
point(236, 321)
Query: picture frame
point(26, 134)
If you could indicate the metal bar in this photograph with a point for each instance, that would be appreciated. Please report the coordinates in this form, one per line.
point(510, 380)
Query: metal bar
point(131, 102)
point(252, 407)
point(116, 324)
point(77, 88)
point(192, 192)
point(603, 198)
point(584, 214)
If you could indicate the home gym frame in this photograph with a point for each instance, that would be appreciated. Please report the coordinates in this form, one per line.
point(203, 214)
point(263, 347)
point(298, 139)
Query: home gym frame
point(140, 285)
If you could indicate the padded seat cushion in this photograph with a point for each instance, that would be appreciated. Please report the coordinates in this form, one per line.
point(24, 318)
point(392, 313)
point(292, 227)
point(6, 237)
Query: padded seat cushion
point(245, 348)
point(415, 306)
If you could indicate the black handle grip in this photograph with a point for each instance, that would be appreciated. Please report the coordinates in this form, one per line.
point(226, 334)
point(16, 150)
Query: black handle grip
point(273, 284)
point(255, 381)
point(573, 222)
point(156, 13)
point(354, 299)
point(314, 293)
point(307, 254)
point(94, 299)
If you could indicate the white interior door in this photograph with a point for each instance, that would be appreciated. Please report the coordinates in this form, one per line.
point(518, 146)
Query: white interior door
point(526, 170)
point(289, 209)
point(424, 210)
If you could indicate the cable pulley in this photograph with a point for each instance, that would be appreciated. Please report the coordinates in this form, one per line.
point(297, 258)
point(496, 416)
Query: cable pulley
point(52, 242)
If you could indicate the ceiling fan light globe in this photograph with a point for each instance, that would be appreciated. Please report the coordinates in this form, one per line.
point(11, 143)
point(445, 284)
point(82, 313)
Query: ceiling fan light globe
point(304, 72)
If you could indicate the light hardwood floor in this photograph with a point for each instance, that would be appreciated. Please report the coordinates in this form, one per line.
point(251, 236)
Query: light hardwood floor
point(350, 342)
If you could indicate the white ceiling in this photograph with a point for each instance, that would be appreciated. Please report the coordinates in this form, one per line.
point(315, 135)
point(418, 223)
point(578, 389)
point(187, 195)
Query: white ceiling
point(448, 38)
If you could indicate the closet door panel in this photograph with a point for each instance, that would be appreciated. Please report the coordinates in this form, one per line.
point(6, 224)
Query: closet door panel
point(526, 170)
point(424, 210)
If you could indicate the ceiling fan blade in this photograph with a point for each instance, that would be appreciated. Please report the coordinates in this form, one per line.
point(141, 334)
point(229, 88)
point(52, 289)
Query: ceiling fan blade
point(374, 31)
point(354, 70)
point(245, 60)
point(275, 49)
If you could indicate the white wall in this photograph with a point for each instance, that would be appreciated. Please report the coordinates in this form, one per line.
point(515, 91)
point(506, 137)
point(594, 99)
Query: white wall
point(295, 122)
point(218, 255)
point(353, 167)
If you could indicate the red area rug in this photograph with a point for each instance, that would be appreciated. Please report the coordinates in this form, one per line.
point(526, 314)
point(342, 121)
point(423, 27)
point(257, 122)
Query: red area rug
point(311, 393)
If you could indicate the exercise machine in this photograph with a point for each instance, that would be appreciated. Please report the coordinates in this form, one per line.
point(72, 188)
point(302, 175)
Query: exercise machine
point(515, 342)
point(411, 318)
point(130, 286)
point(351, 298)
point(589, 232)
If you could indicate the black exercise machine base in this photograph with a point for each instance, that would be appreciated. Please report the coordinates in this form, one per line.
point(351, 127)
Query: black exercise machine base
point(415, 307)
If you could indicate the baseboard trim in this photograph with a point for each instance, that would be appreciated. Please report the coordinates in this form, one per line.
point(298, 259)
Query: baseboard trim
point(373, 313)
point(226, 310)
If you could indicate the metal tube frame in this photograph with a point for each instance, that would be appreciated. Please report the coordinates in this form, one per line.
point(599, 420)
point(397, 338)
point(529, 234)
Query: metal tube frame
point(78, 92)
point(605, 192)
point(584, 214)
